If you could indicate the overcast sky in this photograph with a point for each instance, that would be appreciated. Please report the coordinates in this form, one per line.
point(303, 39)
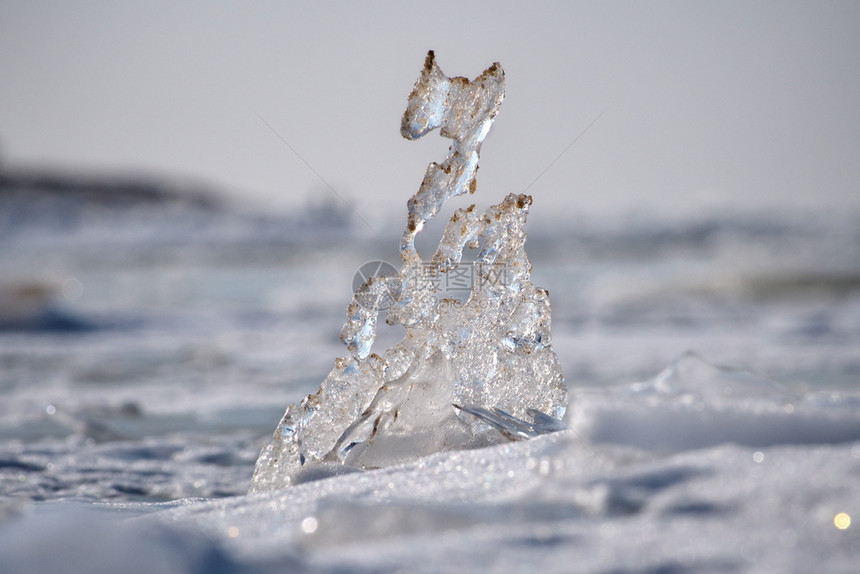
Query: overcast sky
point(704, 105)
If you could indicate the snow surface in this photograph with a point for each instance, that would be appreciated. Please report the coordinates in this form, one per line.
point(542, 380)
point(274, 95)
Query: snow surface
point(699, 469)
point(129, 446)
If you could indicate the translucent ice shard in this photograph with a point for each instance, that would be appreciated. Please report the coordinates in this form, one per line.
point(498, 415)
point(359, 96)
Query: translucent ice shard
point(464, 111)
point(466, 374)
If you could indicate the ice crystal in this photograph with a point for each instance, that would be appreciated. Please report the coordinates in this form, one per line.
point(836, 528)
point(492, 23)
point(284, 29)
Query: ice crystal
point(466, 374)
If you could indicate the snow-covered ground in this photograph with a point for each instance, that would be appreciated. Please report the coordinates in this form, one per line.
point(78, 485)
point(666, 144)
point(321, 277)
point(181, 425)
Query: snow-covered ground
point(145, 368)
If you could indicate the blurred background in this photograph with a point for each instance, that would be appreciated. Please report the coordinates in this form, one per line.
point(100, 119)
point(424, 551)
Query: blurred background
point(187, 189)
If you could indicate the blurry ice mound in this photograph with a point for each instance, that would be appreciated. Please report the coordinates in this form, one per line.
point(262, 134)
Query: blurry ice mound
point(692, 404)
point(33, 307)
point(467, 374)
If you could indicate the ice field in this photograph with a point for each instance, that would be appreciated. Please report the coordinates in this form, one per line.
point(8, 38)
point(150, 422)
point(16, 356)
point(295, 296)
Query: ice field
point(149, 388)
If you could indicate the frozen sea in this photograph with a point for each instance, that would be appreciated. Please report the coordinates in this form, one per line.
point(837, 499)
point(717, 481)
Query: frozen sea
point(148, 349)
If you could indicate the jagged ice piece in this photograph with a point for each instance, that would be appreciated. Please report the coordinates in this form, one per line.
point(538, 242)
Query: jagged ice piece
point(467, 374)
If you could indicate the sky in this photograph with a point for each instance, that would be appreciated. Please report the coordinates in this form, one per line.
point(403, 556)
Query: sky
point(611, 107)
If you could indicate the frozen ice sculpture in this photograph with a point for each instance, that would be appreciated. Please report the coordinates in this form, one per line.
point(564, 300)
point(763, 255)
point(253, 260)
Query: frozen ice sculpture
point(467, 374)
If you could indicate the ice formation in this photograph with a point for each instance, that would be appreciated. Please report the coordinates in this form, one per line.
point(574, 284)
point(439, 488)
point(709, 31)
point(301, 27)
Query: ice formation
point(466, 374)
